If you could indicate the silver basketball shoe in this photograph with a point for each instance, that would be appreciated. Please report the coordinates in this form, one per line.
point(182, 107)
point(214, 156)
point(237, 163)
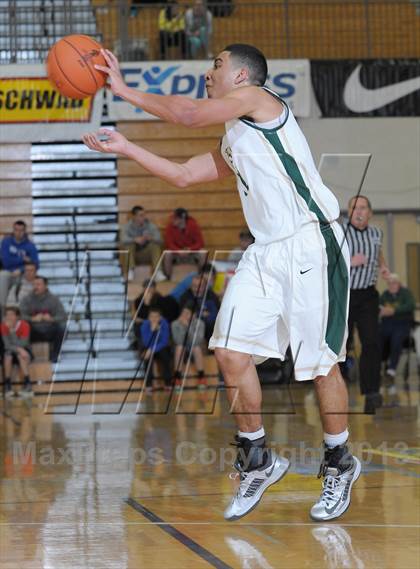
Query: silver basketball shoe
point(336, 486)
point(252, 486)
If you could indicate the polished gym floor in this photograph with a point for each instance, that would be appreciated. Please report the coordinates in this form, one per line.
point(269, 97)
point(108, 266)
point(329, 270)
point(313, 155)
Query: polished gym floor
point(142, 482)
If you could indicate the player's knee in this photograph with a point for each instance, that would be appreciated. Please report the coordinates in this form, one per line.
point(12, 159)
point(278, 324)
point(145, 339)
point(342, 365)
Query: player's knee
point(229, 360)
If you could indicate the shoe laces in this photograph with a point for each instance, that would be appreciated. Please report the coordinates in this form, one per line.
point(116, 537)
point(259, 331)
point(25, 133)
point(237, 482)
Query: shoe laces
point(243, 484)
point(329, 486)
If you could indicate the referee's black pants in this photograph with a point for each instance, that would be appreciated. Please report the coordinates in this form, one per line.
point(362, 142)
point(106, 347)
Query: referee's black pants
point(364, 313)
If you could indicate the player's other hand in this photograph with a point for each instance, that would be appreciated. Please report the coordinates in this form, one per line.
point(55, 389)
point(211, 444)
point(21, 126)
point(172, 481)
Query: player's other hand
point(115, 79)
point(114, 142)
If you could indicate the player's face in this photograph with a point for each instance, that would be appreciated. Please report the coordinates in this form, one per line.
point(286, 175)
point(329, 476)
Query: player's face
point(221, 79)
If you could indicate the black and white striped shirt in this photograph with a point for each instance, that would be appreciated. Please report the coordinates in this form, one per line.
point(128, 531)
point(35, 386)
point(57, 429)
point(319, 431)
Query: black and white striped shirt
point(368, 242)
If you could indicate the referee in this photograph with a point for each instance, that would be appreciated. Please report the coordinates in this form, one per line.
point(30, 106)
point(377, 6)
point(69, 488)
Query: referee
point(365, 244)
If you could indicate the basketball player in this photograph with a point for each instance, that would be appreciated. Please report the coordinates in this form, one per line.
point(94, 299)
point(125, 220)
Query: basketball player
point(291, 285)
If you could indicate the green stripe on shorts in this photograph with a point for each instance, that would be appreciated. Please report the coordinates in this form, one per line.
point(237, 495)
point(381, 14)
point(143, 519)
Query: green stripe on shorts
point(338, 281)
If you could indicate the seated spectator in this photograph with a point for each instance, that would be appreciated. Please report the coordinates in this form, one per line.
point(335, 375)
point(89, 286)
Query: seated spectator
point(245, 240)
point(15, 251)
point(198, 29)
point(15, 335)
point(203, 301)
point(23, 286)
point(182, 237)
point(171, 29)
point(149, 296)
point(397, 305)
point(155, 347)
point(46, 315)
point(144, 242)
point(209, 273)
point(188, 336)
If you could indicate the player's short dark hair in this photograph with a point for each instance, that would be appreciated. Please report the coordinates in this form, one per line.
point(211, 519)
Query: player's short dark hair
point(252, 58)
point(363, 198)
point(20, 222)
point(137, 208)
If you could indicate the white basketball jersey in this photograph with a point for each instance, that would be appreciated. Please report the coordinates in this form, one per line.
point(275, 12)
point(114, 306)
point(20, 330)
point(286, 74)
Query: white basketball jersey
point(278, 182)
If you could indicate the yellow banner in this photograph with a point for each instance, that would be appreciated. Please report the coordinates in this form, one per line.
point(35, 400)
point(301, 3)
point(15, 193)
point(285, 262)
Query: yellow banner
point(34, 99)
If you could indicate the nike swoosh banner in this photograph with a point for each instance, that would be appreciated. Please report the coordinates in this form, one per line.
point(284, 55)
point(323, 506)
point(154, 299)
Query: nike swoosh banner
point(382, 87)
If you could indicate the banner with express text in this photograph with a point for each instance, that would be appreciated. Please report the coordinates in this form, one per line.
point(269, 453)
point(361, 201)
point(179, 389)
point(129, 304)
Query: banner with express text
point(31, 110)
point(291, 79)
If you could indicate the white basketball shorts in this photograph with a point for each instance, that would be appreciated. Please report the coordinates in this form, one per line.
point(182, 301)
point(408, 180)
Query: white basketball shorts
point(291, 292)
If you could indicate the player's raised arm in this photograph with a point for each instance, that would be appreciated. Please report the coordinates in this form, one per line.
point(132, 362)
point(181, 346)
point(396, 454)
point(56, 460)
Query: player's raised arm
point(228, 99)
point(202, 168)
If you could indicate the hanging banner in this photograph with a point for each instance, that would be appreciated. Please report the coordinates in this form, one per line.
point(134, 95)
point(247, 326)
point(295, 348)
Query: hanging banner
point(289, 78)
point(383, 87)
point(32, 110)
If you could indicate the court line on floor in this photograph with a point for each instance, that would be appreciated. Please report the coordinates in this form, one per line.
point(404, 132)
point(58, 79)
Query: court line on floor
point(413, 459)
point(226, 524)
point(179, 536)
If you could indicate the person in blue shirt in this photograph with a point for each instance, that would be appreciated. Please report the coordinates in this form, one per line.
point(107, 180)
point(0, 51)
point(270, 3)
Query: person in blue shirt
point(209, 273)
point(155, 348)
point(15, 251)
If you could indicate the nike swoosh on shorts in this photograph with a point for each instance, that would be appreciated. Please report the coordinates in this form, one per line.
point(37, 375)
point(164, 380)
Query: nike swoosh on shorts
point(359, 99)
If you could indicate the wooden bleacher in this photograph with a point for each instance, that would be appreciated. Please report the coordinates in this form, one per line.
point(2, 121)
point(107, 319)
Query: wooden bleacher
point(216, 205)
point(295, 29)
point(15, 186)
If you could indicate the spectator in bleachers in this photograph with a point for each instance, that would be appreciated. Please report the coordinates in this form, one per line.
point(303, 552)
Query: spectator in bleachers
point(203, 300)
point(188, 334)
point(15, 334)
point(209, 273)
point(171, 29)
point(144, 241)
point(245, 240)
point(198, 29)
point(397, 305)
point(15, 251)
point(155, 347)
point(182, 237)
point(23, 286)
point(46, 315)
point(150, 297)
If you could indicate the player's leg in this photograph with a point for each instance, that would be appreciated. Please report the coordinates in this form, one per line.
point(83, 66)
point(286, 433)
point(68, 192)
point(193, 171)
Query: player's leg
point(318, 339)
point(249, 323)
point(339, 468)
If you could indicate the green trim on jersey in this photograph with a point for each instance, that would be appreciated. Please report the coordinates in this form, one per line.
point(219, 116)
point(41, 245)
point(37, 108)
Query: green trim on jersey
point(276, 128)
point(338, 280)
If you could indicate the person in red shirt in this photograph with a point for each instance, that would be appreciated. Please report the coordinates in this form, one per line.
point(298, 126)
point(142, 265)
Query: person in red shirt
point(182, 237)
point(15, 335)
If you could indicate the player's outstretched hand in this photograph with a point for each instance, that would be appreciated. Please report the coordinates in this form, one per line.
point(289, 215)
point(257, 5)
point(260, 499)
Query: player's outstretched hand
point(115, 79)
point(114, 143)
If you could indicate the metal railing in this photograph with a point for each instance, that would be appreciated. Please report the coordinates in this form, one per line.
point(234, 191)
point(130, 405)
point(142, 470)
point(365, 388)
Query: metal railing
point(315, 29)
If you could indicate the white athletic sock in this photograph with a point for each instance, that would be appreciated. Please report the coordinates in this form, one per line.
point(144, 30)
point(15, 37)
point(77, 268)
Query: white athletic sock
point(252, 436)
point(334, 440)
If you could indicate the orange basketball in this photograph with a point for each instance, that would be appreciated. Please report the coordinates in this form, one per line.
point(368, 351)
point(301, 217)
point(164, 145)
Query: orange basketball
point(70, 66)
